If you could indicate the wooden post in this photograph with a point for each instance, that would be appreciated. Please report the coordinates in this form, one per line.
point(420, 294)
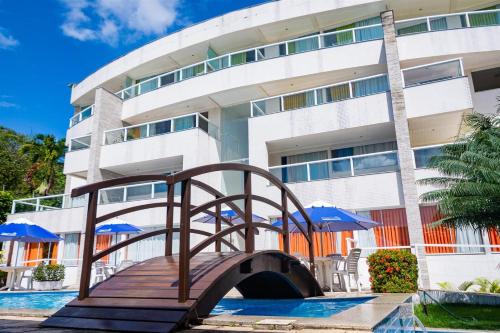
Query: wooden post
point(184, 241)
point(249, 232)
point(218, 227)
point(284, 218)
point(170, 220)
point(310, 232)
point(88, 249)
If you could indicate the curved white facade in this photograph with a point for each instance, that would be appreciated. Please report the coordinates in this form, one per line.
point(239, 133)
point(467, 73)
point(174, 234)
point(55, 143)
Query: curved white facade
point(344, 100)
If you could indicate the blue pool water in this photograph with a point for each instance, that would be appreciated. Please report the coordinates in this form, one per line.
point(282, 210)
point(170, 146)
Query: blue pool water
point(35, 301)
point(312, 308)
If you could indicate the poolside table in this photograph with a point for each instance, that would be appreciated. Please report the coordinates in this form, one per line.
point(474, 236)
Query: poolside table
point(324, 267)
point(14, 276)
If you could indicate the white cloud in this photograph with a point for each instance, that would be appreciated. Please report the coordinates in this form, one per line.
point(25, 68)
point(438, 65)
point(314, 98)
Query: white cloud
point(6, 40)
point(8, 105)
point(112, 21)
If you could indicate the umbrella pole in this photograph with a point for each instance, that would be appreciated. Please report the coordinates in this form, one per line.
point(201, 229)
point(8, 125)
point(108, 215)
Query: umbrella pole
point(321, 242)
point(11, 249)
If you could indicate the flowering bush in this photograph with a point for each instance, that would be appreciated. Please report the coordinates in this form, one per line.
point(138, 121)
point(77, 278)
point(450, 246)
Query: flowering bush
point(48, 273)
point(393, 271)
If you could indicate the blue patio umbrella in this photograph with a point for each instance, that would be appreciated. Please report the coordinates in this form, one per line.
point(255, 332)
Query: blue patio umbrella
point(230, 215)
point(328, 218)
point(23, 230)
point(115, 228)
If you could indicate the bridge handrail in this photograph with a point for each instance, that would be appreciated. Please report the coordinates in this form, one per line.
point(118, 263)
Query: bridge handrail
point(153, 233)
point(218, 236)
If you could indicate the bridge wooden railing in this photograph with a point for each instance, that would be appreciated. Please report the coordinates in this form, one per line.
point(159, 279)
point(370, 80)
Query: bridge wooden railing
point(187, 211)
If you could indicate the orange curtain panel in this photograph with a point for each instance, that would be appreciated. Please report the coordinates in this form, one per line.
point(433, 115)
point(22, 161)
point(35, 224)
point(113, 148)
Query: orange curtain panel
point(436, 234)
point(38, 251)
point(298, 243)
point(494, 237)
point(102, 242)
point(393, 228)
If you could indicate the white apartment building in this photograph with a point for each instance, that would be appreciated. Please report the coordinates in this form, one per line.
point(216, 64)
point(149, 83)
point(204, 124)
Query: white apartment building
point(345, 101)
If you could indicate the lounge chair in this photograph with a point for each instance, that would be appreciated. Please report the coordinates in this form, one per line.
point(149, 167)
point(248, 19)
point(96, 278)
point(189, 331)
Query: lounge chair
point(347, 267)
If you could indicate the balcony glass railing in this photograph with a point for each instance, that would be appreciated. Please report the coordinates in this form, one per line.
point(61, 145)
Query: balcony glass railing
point(290, 47)
point(429, 73)
point(165, 126)
point(79, 143)
point(423, 155)
point(474, 19)
point(144, 191)
point(81, 116)
point(357, 165)
point(322, 95)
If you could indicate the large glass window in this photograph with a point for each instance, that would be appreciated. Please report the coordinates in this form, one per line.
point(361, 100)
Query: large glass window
point(80, 143)
point(71, 248)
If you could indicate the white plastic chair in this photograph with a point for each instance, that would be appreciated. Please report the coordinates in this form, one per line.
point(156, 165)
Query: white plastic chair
point(101, 272)
point(346, 268)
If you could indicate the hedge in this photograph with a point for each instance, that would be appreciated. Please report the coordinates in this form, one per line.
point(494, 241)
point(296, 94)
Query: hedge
point(393, 271)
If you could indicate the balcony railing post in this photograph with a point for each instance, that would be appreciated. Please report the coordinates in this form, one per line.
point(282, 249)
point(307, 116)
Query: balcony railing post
point(88, 249)
point(284, 218)
point(351, 161)
point(249, 232)
point(353, 36)
point(282, 103)
point(13, 209)
point(350, 90)
point(152, 190)
point(184, 246)
point(467, 20)
point(37, 206)
point(125, 194)
point(320, 46)
point(428, 24)
point(308, 168)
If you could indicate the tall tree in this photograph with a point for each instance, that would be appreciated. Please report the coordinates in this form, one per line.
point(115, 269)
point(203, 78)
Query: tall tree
point(12, 164)
point(469, 181)
point(46, 155)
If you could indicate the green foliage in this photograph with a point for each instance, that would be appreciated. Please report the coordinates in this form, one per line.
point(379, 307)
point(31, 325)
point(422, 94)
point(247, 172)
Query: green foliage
point(13, 165)
point(5, 205)
point(480, 284)
point(48, 273)
point(487, 317)
point(45, 153)
point(393, 271)
point(470, 181)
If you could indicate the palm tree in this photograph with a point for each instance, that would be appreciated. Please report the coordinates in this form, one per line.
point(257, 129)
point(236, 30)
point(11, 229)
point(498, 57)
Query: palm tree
point(45, 153)
point(469, 181)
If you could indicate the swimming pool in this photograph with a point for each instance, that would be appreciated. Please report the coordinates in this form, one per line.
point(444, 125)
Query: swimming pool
point(35, 300)
point(315, 308)
point(310, 308)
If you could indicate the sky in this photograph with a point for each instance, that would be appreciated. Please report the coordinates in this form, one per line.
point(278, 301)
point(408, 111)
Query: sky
point(47, 44)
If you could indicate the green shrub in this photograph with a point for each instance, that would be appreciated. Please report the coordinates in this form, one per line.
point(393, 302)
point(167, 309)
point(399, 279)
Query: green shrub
point(393, 271)
point(48, 273)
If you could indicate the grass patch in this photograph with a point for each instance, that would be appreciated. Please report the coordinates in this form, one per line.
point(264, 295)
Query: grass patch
point(487, 317)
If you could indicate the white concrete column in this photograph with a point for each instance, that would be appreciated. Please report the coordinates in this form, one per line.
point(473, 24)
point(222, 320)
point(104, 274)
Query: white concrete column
point(107, 116)
point(405, 152)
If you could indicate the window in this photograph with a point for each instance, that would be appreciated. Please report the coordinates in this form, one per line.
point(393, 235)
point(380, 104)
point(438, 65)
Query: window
point(35, 253)
point(79, 143)
point(487, 79)
point(71, 249)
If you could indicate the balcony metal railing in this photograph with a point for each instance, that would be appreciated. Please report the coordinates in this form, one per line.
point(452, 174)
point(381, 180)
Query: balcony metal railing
point(81, 116)
point(79, 143)
point(356, 165)
point(433, 72)
point(322, 95)
point(144, 191)
point(160, 127)
point(265, 52)
point(480, 18)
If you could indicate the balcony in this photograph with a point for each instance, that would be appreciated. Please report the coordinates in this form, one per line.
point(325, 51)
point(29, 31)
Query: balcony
point(426, 85)
point(170, 143)
point(76, 159)
point(81, 116)
point(351, 166)
point(469, 34)
point(266, 52)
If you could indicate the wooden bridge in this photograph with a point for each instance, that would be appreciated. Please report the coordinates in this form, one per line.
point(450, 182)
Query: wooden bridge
point(167, 292)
